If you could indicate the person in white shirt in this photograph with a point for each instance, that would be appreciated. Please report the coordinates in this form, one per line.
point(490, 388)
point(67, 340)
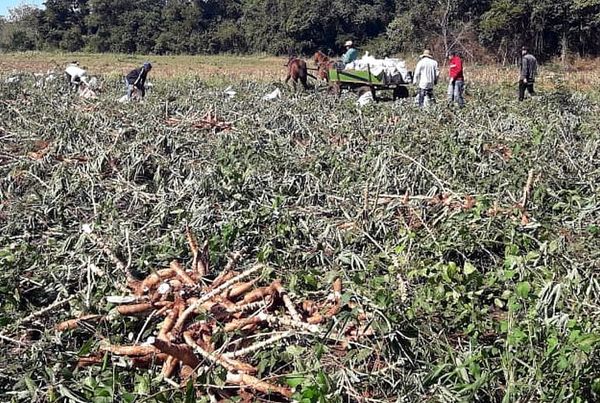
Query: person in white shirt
point(426, 77)
point(76, 75)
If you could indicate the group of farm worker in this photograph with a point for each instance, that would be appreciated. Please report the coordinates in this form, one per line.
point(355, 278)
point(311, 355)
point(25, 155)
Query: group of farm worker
point(135, 81)
point(427, 73)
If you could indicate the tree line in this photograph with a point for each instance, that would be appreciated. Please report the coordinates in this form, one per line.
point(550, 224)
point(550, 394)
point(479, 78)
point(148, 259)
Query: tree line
point(477, 28)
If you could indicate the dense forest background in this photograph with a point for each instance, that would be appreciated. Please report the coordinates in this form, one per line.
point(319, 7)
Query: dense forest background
point(481, 29)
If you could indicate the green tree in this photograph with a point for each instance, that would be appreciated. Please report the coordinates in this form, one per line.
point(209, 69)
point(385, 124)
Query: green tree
point(584, 25)
point(20, 30)
point(123, 26)
point(180, 28)
point(384, 27)
point(505, 26)
point(62, 24)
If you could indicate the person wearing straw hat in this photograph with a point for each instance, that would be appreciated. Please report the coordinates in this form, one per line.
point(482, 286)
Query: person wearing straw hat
point(426, 77)
point(351, 53)
point(137, 79)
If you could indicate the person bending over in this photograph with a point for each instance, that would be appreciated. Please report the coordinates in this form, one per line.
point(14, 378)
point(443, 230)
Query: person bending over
point(75, 75)
point(136, 79)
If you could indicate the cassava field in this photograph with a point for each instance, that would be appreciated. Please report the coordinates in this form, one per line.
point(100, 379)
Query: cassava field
point(218, 248)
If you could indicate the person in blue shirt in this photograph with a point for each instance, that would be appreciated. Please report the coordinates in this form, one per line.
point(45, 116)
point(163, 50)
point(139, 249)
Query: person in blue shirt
point(351, 53)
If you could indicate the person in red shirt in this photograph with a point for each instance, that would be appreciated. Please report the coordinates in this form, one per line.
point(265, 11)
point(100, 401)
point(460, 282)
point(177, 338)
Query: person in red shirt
point(456, 87)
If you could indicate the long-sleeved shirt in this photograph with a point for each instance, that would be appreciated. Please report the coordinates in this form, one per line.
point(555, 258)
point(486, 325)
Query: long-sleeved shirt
point(528, 68)
point(76, 74)
point(456, 69)
point(426, 73)
point(350, 56)
point(137, 77)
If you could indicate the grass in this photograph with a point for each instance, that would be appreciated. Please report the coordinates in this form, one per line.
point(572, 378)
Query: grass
point(473, 297)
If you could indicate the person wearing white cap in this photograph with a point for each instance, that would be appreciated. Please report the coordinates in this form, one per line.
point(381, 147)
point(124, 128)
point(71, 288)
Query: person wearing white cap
point(351, 53)
point(426, 77)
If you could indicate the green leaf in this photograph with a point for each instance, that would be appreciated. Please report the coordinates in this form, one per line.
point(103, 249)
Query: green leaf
point(105, 362)
point(86, 348)
point(319, 350)
point(516, 337)
point(523, 289)
point(323, 382)
point(469, 269)
point(294, 380)
point(587, 342)
point(142, 385)
point(70, 395)
point(103, 392)
point(190, 393)
point(552, 344)
point(596, 386)
point(310, 280)
point(563, 363)
point(128, 397)
point(31, 386)
point(594, 229)
point(161, 397)
point(294, 351)
point(310, 394)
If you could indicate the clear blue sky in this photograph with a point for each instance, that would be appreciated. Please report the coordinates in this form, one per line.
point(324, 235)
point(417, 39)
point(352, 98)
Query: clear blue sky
point(6, 4)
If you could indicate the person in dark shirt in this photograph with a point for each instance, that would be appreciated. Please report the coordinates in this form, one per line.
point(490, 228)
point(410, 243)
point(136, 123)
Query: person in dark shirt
point(137, 79)
point(528, 73)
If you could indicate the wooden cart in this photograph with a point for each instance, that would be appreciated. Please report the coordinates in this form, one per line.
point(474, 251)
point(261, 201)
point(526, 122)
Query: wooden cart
point(340, 79)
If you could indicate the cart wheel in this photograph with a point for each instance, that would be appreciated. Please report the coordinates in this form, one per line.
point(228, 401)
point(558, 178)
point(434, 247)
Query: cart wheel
point(334, 89)
point(400, 92)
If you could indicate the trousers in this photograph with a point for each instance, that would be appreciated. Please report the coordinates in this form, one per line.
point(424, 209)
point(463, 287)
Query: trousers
point(525, 86)
point(456, 91)
point(423, 92)
point(130, 87)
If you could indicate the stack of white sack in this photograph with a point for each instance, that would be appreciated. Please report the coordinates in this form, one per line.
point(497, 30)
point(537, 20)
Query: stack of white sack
point(392, 67)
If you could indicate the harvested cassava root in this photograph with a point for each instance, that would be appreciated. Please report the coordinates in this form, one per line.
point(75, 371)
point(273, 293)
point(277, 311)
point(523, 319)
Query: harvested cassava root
point(191, 310)
point(74, 323)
